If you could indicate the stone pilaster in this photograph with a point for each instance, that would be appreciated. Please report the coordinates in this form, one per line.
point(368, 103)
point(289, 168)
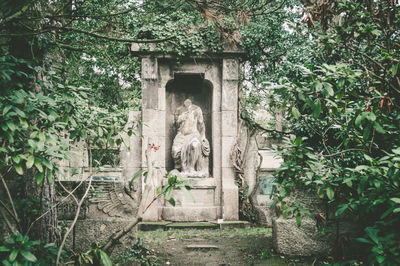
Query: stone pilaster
point(153, 129)
point(229, 122)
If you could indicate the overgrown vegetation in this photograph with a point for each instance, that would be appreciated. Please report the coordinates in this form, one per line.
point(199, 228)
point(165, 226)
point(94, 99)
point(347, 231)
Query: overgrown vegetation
point(343, 107)
point(331, 67)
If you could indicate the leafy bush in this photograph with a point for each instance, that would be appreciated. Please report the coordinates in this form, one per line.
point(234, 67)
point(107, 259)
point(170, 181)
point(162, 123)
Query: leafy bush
point(19, 250)
point(137, 253)
point(344, 111)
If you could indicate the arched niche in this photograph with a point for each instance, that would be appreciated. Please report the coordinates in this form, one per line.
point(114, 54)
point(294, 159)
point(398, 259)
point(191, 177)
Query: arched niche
point(199, 91)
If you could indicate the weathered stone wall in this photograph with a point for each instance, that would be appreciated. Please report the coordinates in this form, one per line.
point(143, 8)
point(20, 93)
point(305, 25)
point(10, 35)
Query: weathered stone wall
point(112, 201)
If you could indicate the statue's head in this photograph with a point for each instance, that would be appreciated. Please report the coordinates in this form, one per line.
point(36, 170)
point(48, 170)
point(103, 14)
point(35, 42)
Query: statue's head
point(187, 103)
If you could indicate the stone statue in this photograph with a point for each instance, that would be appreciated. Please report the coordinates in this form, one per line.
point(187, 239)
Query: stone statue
point(190, 149)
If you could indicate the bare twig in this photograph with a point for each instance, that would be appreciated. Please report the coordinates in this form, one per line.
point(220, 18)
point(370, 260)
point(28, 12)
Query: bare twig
point(8, 211)
point(74, 221)
point(340, 152)
point(55, 205)
point(11, 200)
point(10, 227)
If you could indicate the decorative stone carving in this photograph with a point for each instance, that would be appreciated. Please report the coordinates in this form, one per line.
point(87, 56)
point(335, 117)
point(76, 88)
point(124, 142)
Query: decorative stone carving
point(149, 68)
point(190, 148)
point(114, 199)
point(230, 69)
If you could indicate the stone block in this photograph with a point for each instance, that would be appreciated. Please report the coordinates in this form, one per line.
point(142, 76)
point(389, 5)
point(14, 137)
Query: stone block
point(230, 195)
point(197, 182)
point(234, 224)
point(157, 154)
point(149, 68)
point(230, 69)
point(271, 160)
point(150, 94)
point(153, 123)
point(226, 149)
point(229, 96)
point(152, 213)
point(94, 230)
point(230, 198)
point(197, 197)
point(229, 123)
point(185, 214)
point(228, 176)
point(291, 240)
point(132, 156)
point(129, 172)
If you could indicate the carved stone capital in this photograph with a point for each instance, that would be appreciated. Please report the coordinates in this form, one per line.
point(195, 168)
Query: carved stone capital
point(149, 68)
point(230, 68)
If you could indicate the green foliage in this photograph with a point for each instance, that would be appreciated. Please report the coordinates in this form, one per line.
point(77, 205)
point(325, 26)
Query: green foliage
point(138, 253)
point(343, 114)
point(19, 250)
point(95, 256)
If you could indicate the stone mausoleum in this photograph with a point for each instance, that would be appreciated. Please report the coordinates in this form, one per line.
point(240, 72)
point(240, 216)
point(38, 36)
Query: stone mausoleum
point(211, 84)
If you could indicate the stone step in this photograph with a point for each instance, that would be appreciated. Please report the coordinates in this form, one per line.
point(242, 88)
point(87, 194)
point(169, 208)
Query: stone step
point(150, 226)
point(201, 246)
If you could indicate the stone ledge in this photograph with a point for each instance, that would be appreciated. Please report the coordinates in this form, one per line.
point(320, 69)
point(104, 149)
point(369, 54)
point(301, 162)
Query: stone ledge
point(234, 224)
point(186, 214)
point(271, 161)
point(189, 225)
point(150, 226)
point(196, 182)
point(151, 49)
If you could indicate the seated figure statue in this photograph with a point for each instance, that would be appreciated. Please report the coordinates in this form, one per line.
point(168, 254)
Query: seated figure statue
point(190, 149)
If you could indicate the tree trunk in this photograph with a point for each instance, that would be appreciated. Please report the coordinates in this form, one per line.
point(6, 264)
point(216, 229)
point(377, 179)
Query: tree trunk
point(43, 198)
point(36, 199)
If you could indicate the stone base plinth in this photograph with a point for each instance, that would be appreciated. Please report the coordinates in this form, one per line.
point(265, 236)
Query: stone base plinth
point(196, 206)
point(189, 214)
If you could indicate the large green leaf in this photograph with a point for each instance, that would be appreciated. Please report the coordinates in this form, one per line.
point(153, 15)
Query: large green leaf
point(28, 256)
point(379, 128)
point(330, 193)
point(30, 161)
point(317, 108)
point(295, 113)
point(13, 255)
point(39, 178)
point(105, 259)
point(18, 169)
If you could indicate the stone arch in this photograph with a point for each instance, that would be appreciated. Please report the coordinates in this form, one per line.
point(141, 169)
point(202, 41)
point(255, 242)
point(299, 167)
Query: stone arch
point(200, 91)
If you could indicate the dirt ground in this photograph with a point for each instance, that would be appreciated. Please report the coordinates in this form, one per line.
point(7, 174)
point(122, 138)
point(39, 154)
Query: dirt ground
point(251, 246)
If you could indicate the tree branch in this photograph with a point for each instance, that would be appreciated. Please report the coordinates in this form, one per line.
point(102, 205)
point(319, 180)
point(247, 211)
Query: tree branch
point(18, 13)
point(96, 35)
